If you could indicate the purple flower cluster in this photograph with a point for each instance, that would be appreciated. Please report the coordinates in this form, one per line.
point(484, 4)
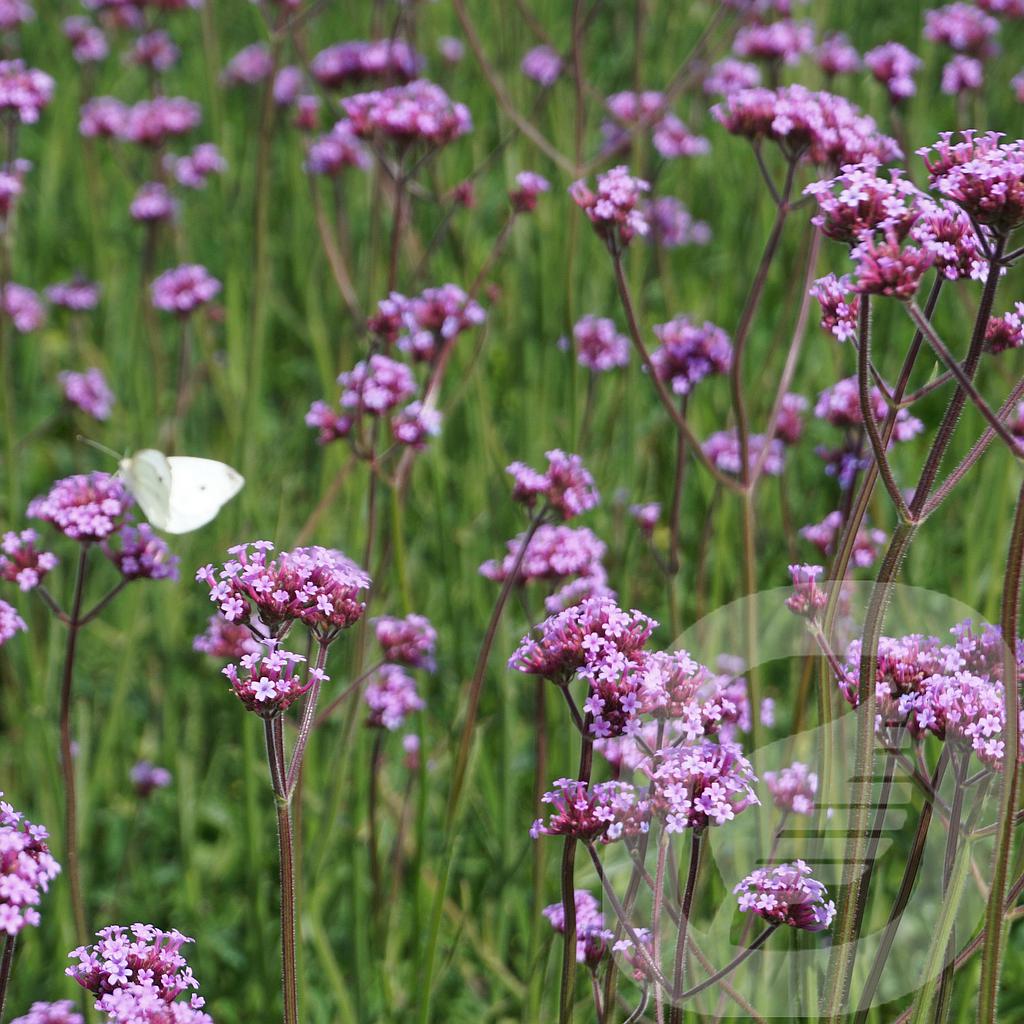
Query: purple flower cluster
point(358, 61)
point(183, 289)
point(423, 324)
point(840, 406)
point(542, 64)
point(88, 391)
point(10, 622)
point(565, 488)
point(249, 66)
point(599, 345)
point(592, 938)
point(77, 295)
point(417, 112)
point(836, 55)
point(786, 894)
point(962, 27)
point(61, 1012)
point(1006, 331)
point(615, 209)
point(723, 449)
point(807, 599)
point(392, 696)
point(26, 867)
point(731, 75)
point(529, 187)
point(793, 789)
point(319, 586)
point(146, 123)
point(339, 148)
point(88, 43)
point(193, 170)
point(153, 202)
point(24, 91)
point(155, 50)
point(783, 41)
point(605, 811)
point(894, 66)
point(407, 641)
point(866, 545)
point(22, 305)
point(22, 562)
point(962, 74)
point(225, 640)
point(689, 352)
point(376, 386)
point(139, 554)
point(270, 681)
point(85, 507)
point(147, 777)
point(673, 226)
point(840, 305)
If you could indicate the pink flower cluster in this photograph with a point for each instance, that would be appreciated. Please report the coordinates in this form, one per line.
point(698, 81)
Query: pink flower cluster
point(789, 426)
point(962, 27)
point(139, 554)
point(730, 75)
point(605, 811)
point(22, 562)
point(147, 777)
point(418, 112)
point(358, 60)
point(318, 586)
point(269, 681)
point(26, 867)
point(155, 50)
point(615, 208)
point(784, 41)
point(723, 449)
point(183, 289)
point(330, 154)
point(146, 123)
point(786, 894)
point(22, 305)
point(88, 43)
point(88, 391)
point(689, 352)
point(78, 295)
point(1006, 331)
point(421, 325)
point(962, 74)
point(894, 66)
point(840, 305)
point(407, 641)
point(10, 622)
point(23, 90)
point(529, 187)
point(592, 937)
point(565, 488)
point(823, 536)
point(85, 507)
point(839, 405)
point(225, 640)
point(793, 789)
point(599, 345)
point(542, 64)
point(376, 386)
point(836, 55)
point(61, 1012)
point(249, 66)
point(392, 696)
point(673, 226)
point(807, 599)
point(153, 202)
point(193, 170)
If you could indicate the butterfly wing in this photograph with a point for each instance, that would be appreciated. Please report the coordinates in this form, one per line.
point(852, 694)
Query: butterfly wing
point(199, 489)
point(147, 474)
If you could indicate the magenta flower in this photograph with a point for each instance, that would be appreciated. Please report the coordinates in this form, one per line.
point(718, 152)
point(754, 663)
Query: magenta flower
point(77, 295)
point(723, 449)
point(945, 231)
point(592, 937)
point(840, 406)
point(392, 696)
point(405, 114)
point(836, 55)
point(183, 289)
point(288, 85)
point(962, 27)
point(14, 13)
point(604, 811)
point(690, 352)
point(543, 65)
point(1017, 84)
point(672, 139)
point(885, 266)
point(823, 535)
point(730, 75)
point(647, 516)
point(376, 386)
point(409, 641)
point(88, 391)
point(139, 554)
point(340, 148)
point(153, 122)
point(793, 789)
point(330, 424)
point(356, 61)
point(783, 41)
point(962, 74)
point(26, 865)
point(24, 90)
point(428, 321)
point(452, 50)
point(10, 622)
point(22, 562)
point(156, 51)
point(205, 160)
point(414, 424)
point(249, 66)
point(555, 552)
point(566, 487)
point(102, 117)
point(268, 682)
point(22, 305)
point(673, 226)
point(12, 184)
point(807, 598)
point(615, 208)
point(319, 586)
point(61, 1012)
point(894, 66)
point(839, 305)
point(153, 202)
point(88, 43)
point(147, 777)
point(786, 894)
point(599, 346)
point(529, 187)
point(695, 787)
point(225, 640)
point(1006, 331)
point(790, 425)
point(85, 507)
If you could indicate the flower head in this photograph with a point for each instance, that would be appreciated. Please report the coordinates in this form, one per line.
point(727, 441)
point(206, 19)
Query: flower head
point(153, 122)
point(10, 622)
point(376, 386)
point(542, 64)
point(78, 295)
point(566, 487)
point(61, 1012)
point(330, 154)
point(894, 66)
point(836, 55)
point(529, 187)
point(672, 224)
point(26, 866)
point(422, 325)
point(22, 562)
point(414, 424)
point(269, 681)
point(782, 41)
point(225, 640)
point(405, 114)
point(615, 208)
point(88, 391)
point(592, 937)
point(1006, 331)
point(604, 811)
point(205, 160)
point(724, 451)
point(789, 427)
point(786, 894)
point(392, 696)
point(249, 66)
point(139, 554)
point(407, 641)
point(962, 27)
point(22, 305)
point(153, 202)
point(689, 352)
point(183, 289)
point(731, 75)
point(807, 598)
point(147, 777)
point(599, 345)
point(23, 90)
point(962, 74)
point(358, 61)
point(89, 506)
point(793, 789)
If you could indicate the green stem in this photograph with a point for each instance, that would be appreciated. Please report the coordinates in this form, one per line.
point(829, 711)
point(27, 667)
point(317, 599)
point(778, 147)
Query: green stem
point(679, 969)
point(6, 963)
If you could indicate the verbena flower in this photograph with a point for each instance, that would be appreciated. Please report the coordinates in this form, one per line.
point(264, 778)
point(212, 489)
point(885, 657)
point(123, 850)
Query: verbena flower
point(392, 695)
point(647, 516)
point(945, 231)
point(414, 424)
point(689, 352)
point(192, 171)
point(288, 85)
point(330, 423)
point(807, 598)
point(529, 187)
point(22, 562)
point(10, 622)
point(14, 13)
point(730, 75)
point(823, 535)
point(270, 680)
point(894, 66)
point(23, 307)
point(723, 449)
point(542, 64)
point(61, 1012)
point(615, 208)
point(318, 586)
point(102, 117)
point(418, 112)
point(423, 324)
point(88, 391)
point(155, 50)
point(962, 27)
point(836, 55)
point(138, 553)
point(330, 154)
point(147, 777)
point(26, 865)
point(783, 41)
point(249, 66)
point(407, 641)
point(789, 426)
point(24, 91)
point(787, 894)
point(565, 487)
point(793, 789)
point(702, 785)
point(357, 61)
point(1006, 331)
point(78, 295)
point(840, 405)
point(599, 345)
point(153, 202)
point(962, 74)
point(85, 507)
point(376, 386)
point(672, 139)
point(452, 50)
point(673, 226)
point(555, 552)
point(592, 937)
point(602, 811)
point(183, 289)
point(153, 122)
point(225, 640)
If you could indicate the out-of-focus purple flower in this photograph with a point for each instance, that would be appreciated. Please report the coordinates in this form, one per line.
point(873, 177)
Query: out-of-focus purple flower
point(690, 352)
point(22, 305)
point(418, 112)
point(139, 554)
point(376, 386)
point(191, 171)
point(1017, 84)
point(249, 66)
point(565, 487)
point(12, 184)
point(22, 562)
point(599, 346)
point(147, 777)
point(634, 108)
point(615, 208)
point(793, 789)
point(1006, 331)
point(672, 139)
point(723, 449)
point(392, 696)
point(269, 681)
point(14, 13)
point(330, 423)
point(1003, 8)
point(787, 894)
point(542, 64)
point(307, 113)
point(783, 41)
point(529, 186)
point(319, 586)
point(887, 266)
point(839, 404)
point(153, 202)
point(962, 27)
point(26, 866)
point(421, 326)
point(790, 424)
point(102, 117)
point(88, 391)
point(867, 543)
point(155, 50)
point(672, 224)
point(839, 305)
point(288, 85)
point(153, 122)
point(225, 640)
point(357, 60)
point(183, 289)
point(61, 1012)
point(894, 66)
point(555, 552)
point(452, 50)
point(962, 74)
point(10, 623)
point(807, 598)
point(78, 294)
point(85, 507)
point(340, 148)
point(592, 938)
point(414, 424)
point(25, 91)
point(646, 516)
point(836, 55)
point(408, 641)
point(731, 75)
point(88, 43)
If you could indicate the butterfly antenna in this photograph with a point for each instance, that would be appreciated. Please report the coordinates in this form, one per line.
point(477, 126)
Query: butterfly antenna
point(99, 447)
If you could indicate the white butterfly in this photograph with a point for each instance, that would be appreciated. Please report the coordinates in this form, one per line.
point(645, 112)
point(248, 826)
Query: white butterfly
point(178, 494)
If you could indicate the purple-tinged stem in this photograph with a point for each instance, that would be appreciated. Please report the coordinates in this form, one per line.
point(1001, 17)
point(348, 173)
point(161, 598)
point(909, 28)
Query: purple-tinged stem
point(66, 756)
point(307, 722)
point(754, 946)
point(6, 963)
point(679, 969)
point(988, 996)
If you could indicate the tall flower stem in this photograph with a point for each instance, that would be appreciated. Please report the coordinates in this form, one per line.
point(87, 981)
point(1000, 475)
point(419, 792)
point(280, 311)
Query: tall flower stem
point(995, 931)
point(308, 721)
point(66, 757)
point(679, 968)
point(6, 963)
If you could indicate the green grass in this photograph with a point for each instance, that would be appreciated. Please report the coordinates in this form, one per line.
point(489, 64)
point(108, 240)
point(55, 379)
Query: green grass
point(201, 856)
